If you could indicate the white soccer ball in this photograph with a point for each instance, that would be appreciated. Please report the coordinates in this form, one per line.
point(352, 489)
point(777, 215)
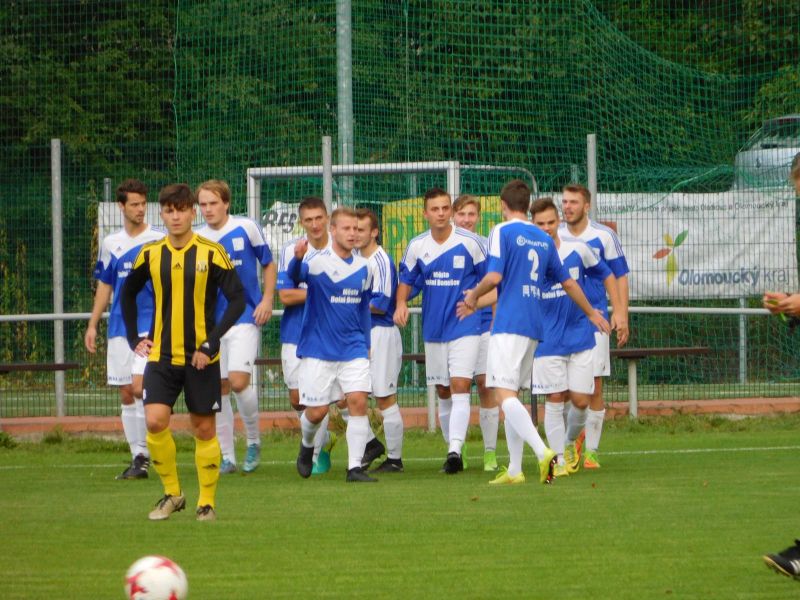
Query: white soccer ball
point(156, 578)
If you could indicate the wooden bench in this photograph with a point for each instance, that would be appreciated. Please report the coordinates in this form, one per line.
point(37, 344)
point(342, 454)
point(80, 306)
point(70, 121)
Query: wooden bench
point(6, 368)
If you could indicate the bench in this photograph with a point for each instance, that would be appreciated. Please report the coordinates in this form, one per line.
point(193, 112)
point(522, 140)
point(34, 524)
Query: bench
point(6, 368)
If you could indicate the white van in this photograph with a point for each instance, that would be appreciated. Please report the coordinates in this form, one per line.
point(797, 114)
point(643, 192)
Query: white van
point(765, 160)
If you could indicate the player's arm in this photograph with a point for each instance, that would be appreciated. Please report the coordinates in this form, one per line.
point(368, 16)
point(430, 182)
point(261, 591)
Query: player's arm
point(575, 292)
point(101, 299)
point(619, 315)
point(263, 311)
point(292, 296)
point(137, 278)
point(401, 307)
point(229, 283)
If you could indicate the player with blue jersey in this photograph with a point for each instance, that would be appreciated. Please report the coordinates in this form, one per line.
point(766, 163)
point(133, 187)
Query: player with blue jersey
point(450, 260)
point(563, 366)
point(125, 370)
point(575, 204)
point(466, 214)
point(243, 240)
point(386, 357)
point(522, 259)
point(313, 217)
point(334, 342)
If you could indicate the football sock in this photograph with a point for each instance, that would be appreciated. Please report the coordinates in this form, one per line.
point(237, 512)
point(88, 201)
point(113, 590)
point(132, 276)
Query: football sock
point(459, 422)
point(162, 456)
point(247, 402)
point(515, 447)
point(518, 418)
point(490, 421)
point(207, 459)
point(576, 421)
point(225, 428)
point(554, 427)
point(309, 430)
point(357, 431)
point(345, 412)
point(594, 428)
point(445, 406)
point(393, 428)
point(129, 426)
point(141, 428)
point(322, 436)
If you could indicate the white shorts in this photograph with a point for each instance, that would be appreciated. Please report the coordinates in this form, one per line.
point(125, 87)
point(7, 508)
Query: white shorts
point(122, 362)
point(290, 365)
point(323, 382)
point(574, 372)
point(601, 354)
point(456, 358)
point(510, 361)
point(385, 360)
point(238, 349)
point(483, 353)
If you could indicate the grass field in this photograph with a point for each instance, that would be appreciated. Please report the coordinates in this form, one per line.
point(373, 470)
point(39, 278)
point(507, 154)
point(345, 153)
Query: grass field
point(682, 508)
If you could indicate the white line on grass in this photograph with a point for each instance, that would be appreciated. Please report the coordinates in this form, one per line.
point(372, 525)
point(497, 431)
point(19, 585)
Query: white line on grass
point(439, 458)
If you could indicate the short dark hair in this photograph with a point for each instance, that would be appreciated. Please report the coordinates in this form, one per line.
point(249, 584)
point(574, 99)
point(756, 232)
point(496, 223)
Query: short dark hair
point(434, 192)
point(543, 204)
point(517, 195)
point(577, 188)
point(178, 195)
point(132, 186)
point(311, 202)
point(367, 213)
point(464, 200)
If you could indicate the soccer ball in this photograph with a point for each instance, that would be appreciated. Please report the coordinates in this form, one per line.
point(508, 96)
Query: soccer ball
point(155, 578)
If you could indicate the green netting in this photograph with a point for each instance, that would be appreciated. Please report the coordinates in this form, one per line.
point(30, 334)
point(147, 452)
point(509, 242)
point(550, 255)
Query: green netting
point(183, 90)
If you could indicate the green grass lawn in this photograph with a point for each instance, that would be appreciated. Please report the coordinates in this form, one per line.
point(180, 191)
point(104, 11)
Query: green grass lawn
point(682, 508)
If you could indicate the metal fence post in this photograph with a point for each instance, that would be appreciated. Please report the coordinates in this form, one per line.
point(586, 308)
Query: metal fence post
point(58, 271)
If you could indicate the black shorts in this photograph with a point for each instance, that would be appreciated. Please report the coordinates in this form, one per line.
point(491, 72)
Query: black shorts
point(202, 392)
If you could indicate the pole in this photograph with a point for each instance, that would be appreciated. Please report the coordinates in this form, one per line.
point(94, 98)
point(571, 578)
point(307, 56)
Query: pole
point(344, 90)
point(327, 173)
point(106, 189)
point(58, 271)
point(742, 342)
point(591, 173)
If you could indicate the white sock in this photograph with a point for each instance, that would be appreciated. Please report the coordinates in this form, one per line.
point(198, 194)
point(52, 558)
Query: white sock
point(554, 427)
point(445, 406)
point(459, 422)
point(141, 428)
point(576, 421)
point(518, 418)
point(594, 428)
point(322, 436)
point(225, 429)
point(299, 413)
point(130, 426)
point(393, 428)
point(515, 447)
point(357, 431)
point(490, 421)
point(247, 403)
point(309, 430)
point(345, 412)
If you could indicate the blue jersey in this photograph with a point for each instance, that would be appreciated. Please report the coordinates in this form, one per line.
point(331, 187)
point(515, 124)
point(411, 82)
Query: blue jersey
point(486, 313)
point(244, 242)
point(117, 253)
point(448, 270)
point(384, 288)
point(292, 315)
point(605, 244)
point(527, 258)
point(568, 329)
point(336, 321)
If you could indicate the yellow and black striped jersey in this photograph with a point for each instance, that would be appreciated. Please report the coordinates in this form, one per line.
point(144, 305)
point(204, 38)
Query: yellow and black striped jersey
point(185, 284)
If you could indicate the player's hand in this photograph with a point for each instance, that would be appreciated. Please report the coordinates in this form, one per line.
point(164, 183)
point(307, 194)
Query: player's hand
point(199, 360)
point(772, 301)
point(262, 313)
point(401, 315)
point(90, 339)
point(600, 322)
point(620, 325)
point(790, 305)
point(143, 347)
point(300, 249)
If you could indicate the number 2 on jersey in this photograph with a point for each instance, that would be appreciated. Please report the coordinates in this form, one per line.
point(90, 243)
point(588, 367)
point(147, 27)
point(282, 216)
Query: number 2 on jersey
point(534, 258)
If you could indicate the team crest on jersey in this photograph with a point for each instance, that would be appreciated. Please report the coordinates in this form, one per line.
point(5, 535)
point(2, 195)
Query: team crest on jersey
point(458, 262)
point(202, 266)
point(238, 244)
point(574, 272)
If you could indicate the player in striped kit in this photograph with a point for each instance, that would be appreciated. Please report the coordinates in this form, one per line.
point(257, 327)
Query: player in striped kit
point(243, 239)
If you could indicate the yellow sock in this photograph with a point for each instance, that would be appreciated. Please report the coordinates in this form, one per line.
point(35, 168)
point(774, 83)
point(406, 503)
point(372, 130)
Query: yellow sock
point(162, 455)
point(207, 458)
